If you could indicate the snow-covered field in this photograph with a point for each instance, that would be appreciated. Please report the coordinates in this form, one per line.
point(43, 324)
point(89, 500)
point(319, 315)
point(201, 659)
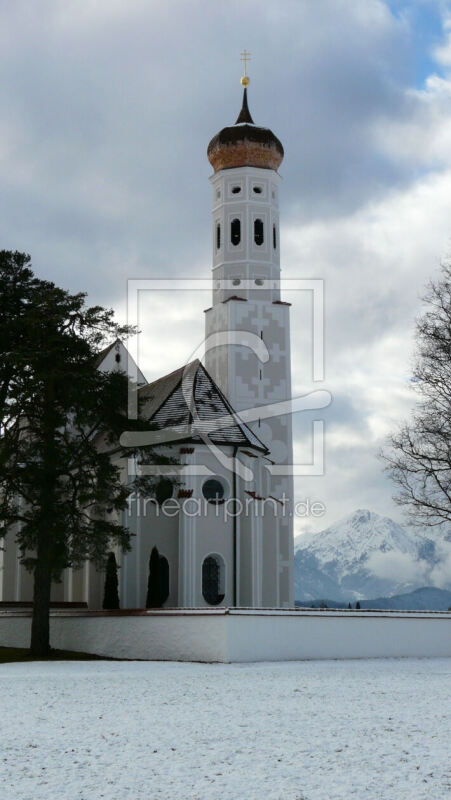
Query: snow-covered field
point(315, 730)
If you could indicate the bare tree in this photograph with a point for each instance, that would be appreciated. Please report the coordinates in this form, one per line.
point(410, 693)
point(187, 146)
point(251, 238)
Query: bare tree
point(418, 457)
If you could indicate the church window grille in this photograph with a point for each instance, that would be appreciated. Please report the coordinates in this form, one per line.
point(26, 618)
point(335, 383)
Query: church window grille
point(235, 231)
point(213, 491)
point(258, 232)
point(213, 580)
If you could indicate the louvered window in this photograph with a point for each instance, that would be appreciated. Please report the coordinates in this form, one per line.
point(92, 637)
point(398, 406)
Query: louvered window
point(258, 232)
point(235, 231)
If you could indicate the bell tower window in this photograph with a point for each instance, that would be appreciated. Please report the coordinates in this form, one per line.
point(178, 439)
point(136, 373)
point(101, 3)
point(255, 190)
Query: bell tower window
point(274, 237)
point(258, 232)
point(218, 236)
point(235, 231)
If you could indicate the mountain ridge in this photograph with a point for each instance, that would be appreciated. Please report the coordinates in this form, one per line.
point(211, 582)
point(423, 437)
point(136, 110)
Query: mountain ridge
point(367, 555)
point(427, 598)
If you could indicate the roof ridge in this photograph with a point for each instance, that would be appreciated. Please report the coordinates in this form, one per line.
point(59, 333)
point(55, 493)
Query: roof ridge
point(169, 375)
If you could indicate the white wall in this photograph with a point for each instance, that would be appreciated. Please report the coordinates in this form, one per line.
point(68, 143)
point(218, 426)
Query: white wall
point(239, 635)
point(291, 635)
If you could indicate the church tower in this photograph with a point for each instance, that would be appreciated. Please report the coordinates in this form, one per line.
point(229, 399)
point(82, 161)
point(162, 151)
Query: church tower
point(250, 359)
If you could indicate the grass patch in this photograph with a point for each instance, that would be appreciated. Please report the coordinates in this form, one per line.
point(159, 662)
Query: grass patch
point(9, 655)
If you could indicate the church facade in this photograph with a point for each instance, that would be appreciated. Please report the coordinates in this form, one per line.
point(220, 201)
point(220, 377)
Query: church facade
point(223, 523)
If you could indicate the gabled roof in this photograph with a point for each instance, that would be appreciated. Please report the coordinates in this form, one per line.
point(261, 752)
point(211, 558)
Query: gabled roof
point(190, 397)
point(103, 353)
point(124, 361)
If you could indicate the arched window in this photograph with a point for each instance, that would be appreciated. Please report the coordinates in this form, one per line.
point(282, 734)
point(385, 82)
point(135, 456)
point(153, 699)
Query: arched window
point(213, 578)
point(274, 237)
point(163, 491)
point(236, 190)
point(164, 578)
point(218, 236)
point(235, 231)
point(258, 231)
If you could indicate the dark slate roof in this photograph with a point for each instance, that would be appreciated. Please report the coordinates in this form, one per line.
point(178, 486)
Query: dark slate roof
point(166, 405)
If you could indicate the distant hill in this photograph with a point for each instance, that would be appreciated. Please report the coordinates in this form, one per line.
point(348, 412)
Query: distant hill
point(321, 603)
point(428, 598)
point(368, 556)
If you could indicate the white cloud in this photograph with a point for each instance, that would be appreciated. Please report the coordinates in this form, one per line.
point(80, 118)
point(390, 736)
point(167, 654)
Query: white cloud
point(107, 109)
point(401, 567)
point(441, 574)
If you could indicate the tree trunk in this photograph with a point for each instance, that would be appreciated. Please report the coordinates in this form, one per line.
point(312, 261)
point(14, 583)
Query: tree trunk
point(40, 626)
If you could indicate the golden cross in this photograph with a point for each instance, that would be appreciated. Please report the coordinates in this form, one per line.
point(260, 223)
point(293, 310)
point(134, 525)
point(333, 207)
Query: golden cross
point(245, 57)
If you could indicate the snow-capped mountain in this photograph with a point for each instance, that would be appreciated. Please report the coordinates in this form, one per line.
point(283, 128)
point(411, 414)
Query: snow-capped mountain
point(366, 555)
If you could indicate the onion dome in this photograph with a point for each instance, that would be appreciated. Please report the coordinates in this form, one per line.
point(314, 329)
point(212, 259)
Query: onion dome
point(245, 144)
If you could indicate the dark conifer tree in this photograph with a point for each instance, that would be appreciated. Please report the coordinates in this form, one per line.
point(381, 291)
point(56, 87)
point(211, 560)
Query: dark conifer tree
point(357, 605)
point(153, 599)
point(61, 421)
point(111, 594)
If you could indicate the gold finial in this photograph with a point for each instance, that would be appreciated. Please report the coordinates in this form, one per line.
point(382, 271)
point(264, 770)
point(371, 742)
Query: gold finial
point(245, 57)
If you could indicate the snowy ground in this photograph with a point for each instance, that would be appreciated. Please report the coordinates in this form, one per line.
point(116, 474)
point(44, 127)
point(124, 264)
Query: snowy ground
point(318, 730)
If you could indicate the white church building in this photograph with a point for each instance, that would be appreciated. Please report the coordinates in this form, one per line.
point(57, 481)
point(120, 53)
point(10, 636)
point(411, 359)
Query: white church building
point(223, 527)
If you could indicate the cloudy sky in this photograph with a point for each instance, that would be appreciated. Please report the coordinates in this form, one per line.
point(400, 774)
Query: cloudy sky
point(106, 109)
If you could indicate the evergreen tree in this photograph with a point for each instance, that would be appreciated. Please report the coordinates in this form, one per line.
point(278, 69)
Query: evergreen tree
point(61, 489)
point(349, 605)
point(111, 594)
point(357, 605)
point(153, 599)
